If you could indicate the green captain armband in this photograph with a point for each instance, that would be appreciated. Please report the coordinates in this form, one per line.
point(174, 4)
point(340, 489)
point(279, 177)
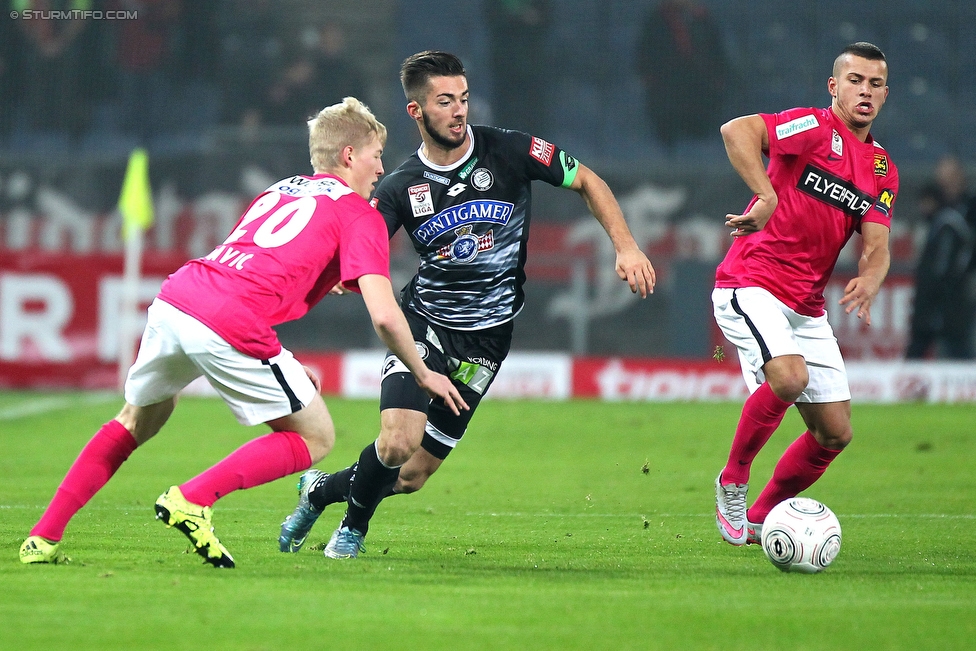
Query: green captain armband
point(570, 166)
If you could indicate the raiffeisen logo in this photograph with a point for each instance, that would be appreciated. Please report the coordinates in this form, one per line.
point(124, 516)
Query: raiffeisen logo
point(492, 212)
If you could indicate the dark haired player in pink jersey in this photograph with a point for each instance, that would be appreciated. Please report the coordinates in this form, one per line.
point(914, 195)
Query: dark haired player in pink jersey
point(827, 179)
point(215, 315)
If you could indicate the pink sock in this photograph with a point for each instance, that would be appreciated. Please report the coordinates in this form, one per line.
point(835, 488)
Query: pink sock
point(264, 459)
point(95, 465)
point(762, 413)
point(802, 464)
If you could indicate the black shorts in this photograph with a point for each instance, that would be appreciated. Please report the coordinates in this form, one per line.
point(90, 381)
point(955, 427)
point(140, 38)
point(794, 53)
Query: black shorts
point(470, 358)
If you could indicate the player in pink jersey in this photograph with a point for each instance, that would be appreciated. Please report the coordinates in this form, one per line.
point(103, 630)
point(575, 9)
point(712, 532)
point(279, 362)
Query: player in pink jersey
point(827, 179)
point(214, 317)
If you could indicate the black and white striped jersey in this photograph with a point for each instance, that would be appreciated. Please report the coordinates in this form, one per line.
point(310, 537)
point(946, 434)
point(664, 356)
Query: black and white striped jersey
point(469, 222)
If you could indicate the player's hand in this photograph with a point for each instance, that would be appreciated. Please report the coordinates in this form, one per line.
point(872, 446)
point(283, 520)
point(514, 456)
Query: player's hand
point(634, 267)
point(339, 290)
point(754, 220)
point(858, 295)
point(440, 386)
point(314, 378)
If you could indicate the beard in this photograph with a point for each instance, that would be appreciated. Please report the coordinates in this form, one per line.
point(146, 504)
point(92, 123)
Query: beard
point(442, 140)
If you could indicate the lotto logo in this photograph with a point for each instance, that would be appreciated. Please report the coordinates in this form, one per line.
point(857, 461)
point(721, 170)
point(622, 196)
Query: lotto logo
point(541, 151)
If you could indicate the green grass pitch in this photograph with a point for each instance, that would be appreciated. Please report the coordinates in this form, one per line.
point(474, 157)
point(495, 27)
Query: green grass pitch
point(555, 525)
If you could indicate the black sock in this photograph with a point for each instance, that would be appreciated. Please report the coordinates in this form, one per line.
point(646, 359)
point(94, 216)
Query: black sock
point(334, 489)
point(371, 482)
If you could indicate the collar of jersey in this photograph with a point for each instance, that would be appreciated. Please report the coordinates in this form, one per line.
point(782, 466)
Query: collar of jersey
point(460, 161)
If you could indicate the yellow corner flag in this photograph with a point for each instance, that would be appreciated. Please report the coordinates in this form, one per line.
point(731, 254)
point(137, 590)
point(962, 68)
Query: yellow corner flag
point(135, 202)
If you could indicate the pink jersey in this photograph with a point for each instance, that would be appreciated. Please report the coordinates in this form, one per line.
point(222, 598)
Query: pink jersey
point(828, 183)
point(297, 240)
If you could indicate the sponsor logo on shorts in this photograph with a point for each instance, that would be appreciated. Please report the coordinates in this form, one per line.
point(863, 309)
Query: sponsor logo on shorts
point(884, 202)
point(443, 180)
point(422, 349)
point(541, 150)
point(796, 126)
point(484, 361)
point(420, 200)
point(835, 191)
point(475, 376)
point(880, 165)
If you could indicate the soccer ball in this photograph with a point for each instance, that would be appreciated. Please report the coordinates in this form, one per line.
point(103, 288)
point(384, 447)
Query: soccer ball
point(801, 535)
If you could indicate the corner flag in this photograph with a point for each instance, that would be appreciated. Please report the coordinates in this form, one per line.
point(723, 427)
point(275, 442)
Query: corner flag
point(136, 208)
point(135, 201)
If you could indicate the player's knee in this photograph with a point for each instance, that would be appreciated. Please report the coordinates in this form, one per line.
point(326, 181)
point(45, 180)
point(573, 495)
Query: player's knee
point(394, 448)
point(319, 444)
point(835, 438)
point(314, 425)
point(789, 382)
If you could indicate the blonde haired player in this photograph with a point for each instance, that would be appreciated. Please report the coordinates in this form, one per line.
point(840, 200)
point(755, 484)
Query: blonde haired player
point(215, 315)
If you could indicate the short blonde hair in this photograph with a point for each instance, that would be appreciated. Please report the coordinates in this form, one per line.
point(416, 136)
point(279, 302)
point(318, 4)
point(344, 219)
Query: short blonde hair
point(335, 127)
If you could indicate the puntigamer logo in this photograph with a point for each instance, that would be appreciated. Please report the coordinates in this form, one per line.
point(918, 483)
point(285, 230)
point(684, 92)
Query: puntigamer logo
point(469, 212)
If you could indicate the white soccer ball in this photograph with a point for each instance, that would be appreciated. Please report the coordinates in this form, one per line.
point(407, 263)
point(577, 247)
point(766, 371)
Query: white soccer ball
point(801, 535)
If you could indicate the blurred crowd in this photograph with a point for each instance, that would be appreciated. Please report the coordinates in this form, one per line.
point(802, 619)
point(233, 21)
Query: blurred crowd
point(944, 318)
point(171, 67)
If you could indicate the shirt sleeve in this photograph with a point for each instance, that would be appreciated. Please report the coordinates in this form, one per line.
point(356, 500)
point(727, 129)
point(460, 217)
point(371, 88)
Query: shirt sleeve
point(385, 202)
point(791, 132)
point(545, 161)
point(364, 248)
point(883, 209)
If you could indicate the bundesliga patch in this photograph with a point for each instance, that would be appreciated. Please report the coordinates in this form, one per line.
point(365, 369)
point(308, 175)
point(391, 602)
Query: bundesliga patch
point(420, 201)
point(880, 165)
point(541, 150)
point(837, 144)
point(796, 126)
point(467, 246)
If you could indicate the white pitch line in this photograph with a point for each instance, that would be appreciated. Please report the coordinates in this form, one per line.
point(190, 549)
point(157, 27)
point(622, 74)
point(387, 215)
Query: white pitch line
point(934, 516)
point(37, 406)
point(650, 516)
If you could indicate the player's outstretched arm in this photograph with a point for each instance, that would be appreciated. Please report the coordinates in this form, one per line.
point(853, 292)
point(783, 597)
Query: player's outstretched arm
point(871, 271)
point(746, 139)
point(632, 265)
point(392, 328)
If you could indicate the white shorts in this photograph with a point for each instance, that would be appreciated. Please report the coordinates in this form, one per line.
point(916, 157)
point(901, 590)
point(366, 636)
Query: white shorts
point(176, 349)
point(762, 327)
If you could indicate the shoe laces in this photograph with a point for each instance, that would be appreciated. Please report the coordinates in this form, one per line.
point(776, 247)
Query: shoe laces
point(348, 538)
point(735, 501)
